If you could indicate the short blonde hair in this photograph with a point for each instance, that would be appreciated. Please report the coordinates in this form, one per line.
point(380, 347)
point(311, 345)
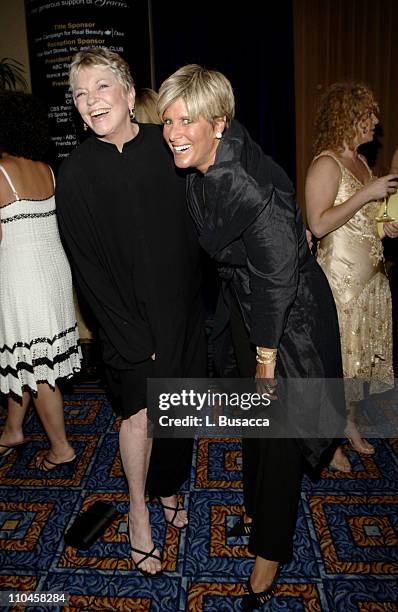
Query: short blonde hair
point(101, 57)
point(205, 92)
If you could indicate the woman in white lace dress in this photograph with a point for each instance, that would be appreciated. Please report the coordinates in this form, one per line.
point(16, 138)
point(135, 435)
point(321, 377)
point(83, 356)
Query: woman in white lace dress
point(38, 331)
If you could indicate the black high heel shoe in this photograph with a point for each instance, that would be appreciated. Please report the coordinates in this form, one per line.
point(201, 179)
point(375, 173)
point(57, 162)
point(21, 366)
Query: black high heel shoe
point(10, 447)
point(240, 529)
point(176, 509)
point(253, 600)
point(44, 464)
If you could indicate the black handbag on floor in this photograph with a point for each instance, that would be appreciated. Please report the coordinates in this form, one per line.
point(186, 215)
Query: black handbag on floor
point(90, 525)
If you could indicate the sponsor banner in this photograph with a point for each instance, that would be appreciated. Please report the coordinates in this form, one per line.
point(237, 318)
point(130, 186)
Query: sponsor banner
point(58, 29)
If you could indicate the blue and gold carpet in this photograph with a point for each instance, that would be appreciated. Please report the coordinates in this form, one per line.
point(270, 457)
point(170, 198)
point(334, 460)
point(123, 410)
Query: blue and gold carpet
point(346, 553)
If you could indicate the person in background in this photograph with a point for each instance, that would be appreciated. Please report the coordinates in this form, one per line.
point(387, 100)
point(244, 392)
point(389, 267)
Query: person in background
point(342, 204)
point(122, 212)
point(145, 106)
point(391, 256)
point(39, 342)
point(249, 223)
point(91, 362)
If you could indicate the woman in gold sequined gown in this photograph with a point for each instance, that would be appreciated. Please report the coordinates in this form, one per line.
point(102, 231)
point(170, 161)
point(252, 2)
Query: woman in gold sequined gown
point(342, 203)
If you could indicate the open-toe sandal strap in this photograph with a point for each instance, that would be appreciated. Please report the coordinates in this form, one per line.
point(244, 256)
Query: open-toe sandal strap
point(45, 459)
point(178, 507)
point(240, 528)
point(176, 510)
point(146, 555)
point(41, 464)
point(245, 527)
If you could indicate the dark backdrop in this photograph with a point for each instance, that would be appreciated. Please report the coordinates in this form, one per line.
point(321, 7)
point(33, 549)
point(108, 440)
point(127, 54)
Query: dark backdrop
point(56, 31)
point(253, 46)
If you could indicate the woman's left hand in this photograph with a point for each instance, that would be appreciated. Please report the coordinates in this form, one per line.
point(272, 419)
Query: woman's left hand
point(308, 235)
point(391, 229)
point(265, 377)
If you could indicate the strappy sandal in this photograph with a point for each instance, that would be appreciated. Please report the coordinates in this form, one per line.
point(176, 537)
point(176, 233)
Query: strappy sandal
point(339, 467)
point(176, 509)
point(360, 446)
point(146, 555)
point(42, 463)
point(10, 447)
point(343, 465)
point(253, 600)
point(240, 529)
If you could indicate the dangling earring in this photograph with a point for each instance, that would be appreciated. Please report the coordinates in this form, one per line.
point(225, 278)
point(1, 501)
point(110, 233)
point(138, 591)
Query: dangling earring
point(85, 127)
point(218, 135)
point(132, 113)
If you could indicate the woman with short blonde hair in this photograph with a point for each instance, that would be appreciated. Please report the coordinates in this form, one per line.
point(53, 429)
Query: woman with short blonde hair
point(205, 92)
point(121, 205)
point(101, 57)
point(249, 223)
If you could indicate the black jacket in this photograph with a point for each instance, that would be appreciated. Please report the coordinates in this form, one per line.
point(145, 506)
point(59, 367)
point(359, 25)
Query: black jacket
point(250, 223)
point(131, 242)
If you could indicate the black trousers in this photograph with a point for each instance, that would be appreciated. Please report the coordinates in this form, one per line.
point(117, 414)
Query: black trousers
point(183, 355)
point(272, 471)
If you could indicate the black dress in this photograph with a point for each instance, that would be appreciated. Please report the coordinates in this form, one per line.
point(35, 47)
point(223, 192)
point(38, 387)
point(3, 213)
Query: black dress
point(134, 253)
point(274, 294)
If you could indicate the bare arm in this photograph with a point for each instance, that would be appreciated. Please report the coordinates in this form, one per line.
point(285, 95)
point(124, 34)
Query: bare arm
point(322, 184)
point(394, 162)
point(4, 195)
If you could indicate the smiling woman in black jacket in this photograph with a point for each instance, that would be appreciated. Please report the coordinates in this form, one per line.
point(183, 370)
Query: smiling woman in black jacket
point(275, 299)
point(122, 213)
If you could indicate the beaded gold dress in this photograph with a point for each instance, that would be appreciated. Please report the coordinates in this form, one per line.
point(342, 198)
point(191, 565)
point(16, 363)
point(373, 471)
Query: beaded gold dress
point(352, 259)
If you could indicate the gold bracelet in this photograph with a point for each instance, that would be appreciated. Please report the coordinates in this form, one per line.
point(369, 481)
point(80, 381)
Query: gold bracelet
point(261, 352)
point(267, 361)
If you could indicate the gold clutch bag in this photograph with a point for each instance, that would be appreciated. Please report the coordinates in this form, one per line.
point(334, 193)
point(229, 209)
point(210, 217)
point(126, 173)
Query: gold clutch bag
point(392, 211)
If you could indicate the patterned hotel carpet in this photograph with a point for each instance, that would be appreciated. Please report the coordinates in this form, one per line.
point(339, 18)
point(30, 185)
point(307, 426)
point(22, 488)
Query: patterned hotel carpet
point(345, 544)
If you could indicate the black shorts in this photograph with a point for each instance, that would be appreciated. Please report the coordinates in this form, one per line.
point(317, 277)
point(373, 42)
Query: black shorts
point(128, 387)
point(180, 353)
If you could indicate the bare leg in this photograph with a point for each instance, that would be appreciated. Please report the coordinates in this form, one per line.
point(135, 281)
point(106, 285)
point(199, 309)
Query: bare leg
point(263, 573)
point(50, 408)
point(358, 443)
point(340, 461)
point(12, 432)
point(135, 451)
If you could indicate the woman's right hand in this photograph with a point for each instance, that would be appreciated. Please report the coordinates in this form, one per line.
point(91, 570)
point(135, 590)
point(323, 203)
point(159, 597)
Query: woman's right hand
point(321, 189)
point(380, 188)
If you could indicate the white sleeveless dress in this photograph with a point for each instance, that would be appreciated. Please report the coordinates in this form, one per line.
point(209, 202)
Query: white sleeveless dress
point(39, 340)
